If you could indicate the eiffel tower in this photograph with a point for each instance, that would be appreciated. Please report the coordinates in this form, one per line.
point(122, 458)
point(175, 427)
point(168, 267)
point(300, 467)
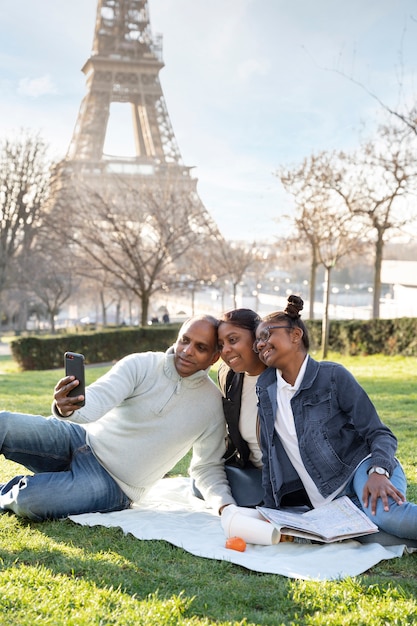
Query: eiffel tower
point(124, 68)
point(115, 200)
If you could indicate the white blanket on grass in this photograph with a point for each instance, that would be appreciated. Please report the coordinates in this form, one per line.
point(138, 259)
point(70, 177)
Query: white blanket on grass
point(171, 513)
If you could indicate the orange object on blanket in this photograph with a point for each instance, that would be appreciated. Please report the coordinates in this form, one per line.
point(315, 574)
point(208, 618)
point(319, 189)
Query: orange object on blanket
point(236, 543)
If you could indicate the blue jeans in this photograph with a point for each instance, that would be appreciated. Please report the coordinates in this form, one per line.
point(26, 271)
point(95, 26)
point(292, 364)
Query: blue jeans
point(401, 519)
point(67, 479)
point(245, 484)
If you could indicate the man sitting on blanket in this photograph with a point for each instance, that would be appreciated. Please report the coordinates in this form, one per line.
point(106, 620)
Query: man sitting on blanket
point(138, 421)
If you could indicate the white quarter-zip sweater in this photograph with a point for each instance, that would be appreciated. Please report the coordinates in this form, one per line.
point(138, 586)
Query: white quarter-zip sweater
point(141, 418)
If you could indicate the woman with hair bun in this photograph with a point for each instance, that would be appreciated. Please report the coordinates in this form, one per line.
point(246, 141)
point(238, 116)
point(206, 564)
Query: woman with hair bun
point(320, 430)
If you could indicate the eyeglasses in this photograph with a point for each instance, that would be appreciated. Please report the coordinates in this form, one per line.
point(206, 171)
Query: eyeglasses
point(264, 336)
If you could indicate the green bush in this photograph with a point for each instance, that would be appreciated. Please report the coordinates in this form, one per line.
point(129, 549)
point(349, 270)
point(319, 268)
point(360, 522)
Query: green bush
point(350, 337)
point(42, 353)
point(361, 337)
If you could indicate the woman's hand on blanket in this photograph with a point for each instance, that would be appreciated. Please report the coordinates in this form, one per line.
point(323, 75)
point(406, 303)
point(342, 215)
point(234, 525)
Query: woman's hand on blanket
point(379, 486)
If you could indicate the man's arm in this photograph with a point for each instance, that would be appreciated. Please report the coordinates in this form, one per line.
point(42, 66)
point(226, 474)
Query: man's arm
point(104, 394)
point(207, 463)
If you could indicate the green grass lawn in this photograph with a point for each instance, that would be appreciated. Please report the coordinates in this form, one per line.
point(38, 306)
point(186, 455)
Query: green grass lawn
point(61, 573)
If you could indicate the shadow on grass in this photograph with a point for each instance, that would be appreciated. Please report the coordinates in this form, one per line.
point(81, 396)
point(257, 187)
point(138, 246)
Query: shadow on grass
point(108, 558)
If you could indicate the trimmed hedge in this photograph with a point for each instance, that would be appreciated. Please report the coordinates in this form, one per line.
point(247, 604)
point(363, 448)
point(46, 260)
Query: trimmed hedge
point(354, 337)
point(41, 353)
point(361, 337)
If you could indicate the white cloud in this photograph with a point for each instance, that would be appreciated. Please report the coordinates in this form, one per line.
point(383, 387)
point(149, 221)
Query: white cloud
point(35, 87)
point(252, 67)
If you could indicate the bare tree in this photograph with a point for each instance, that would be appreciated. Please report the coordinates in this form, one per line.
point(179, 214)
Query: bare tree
point(51, 284)
point(405, 111)
point(322, 221)
point(196, 270)
point(233, 261)
point(106, 289)
point(135, 235)
point(109, 295)
point(405, 114)
point(24, 184)
point(337, 237)
point(303, 182)
point(374, 186)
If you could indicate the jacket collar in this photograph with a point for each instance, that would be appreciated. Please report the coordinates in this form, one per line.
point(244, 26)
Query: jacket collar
point(269, 376)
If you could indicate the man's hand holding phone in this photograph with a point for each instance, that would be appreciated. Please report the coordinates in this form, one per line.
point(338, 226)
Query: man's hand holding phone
point(69, 392)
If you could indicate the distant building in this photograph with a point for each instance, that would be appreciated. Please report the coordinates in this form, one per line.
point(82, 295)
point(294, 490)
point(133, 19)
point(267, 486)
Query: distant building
point(402, 276)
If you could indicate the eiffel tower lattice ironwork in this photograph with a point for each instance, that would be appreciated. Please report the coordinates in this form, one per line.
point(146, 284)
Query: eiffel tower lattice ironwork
point(137, 220)
point(124, 68)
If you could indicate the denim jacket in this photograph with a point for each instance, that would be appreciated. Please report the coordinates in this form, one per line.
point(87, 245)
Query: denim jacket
point(337, 427)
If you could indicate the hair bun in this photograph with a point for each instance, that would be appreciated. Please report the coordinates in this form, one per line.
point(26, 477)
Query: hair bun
point(295, 304)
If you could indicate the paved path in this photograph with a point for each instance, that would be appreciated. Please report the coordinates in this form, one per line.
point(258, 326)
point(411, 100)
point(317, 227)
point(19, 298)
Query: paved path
point(4, 348)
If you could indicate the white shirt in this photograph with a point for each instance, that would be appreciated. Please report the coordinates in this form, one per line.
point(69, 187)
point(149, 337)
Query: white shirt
point(285, 427)
point(247, 423)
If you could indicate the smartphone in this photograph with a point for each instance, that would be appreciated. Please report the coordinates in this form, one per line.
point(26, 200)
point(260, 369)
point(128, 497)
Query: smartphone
point(74, 366)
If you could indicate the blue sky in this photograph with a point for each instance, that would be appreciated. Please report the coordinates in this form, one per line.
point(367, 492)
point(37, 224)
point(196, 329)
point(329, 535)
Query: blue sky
point(250, 85)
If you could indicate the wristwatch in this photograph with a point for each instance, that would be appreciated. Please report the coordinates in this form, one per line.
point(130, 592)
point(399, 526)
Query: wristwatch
point(378, 470)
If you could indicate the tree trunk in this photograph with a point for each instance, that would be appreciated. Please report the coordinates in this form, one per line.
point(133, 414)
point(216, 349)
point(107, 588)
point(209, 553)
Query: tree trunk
point(235, 295)
point(52, 322)
point(23, 315)
point(379, 248)
point(313, 275)
point(193, 301)
point(118, 307)
point(145, 308)
point(103, 309)
point(325, 322)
